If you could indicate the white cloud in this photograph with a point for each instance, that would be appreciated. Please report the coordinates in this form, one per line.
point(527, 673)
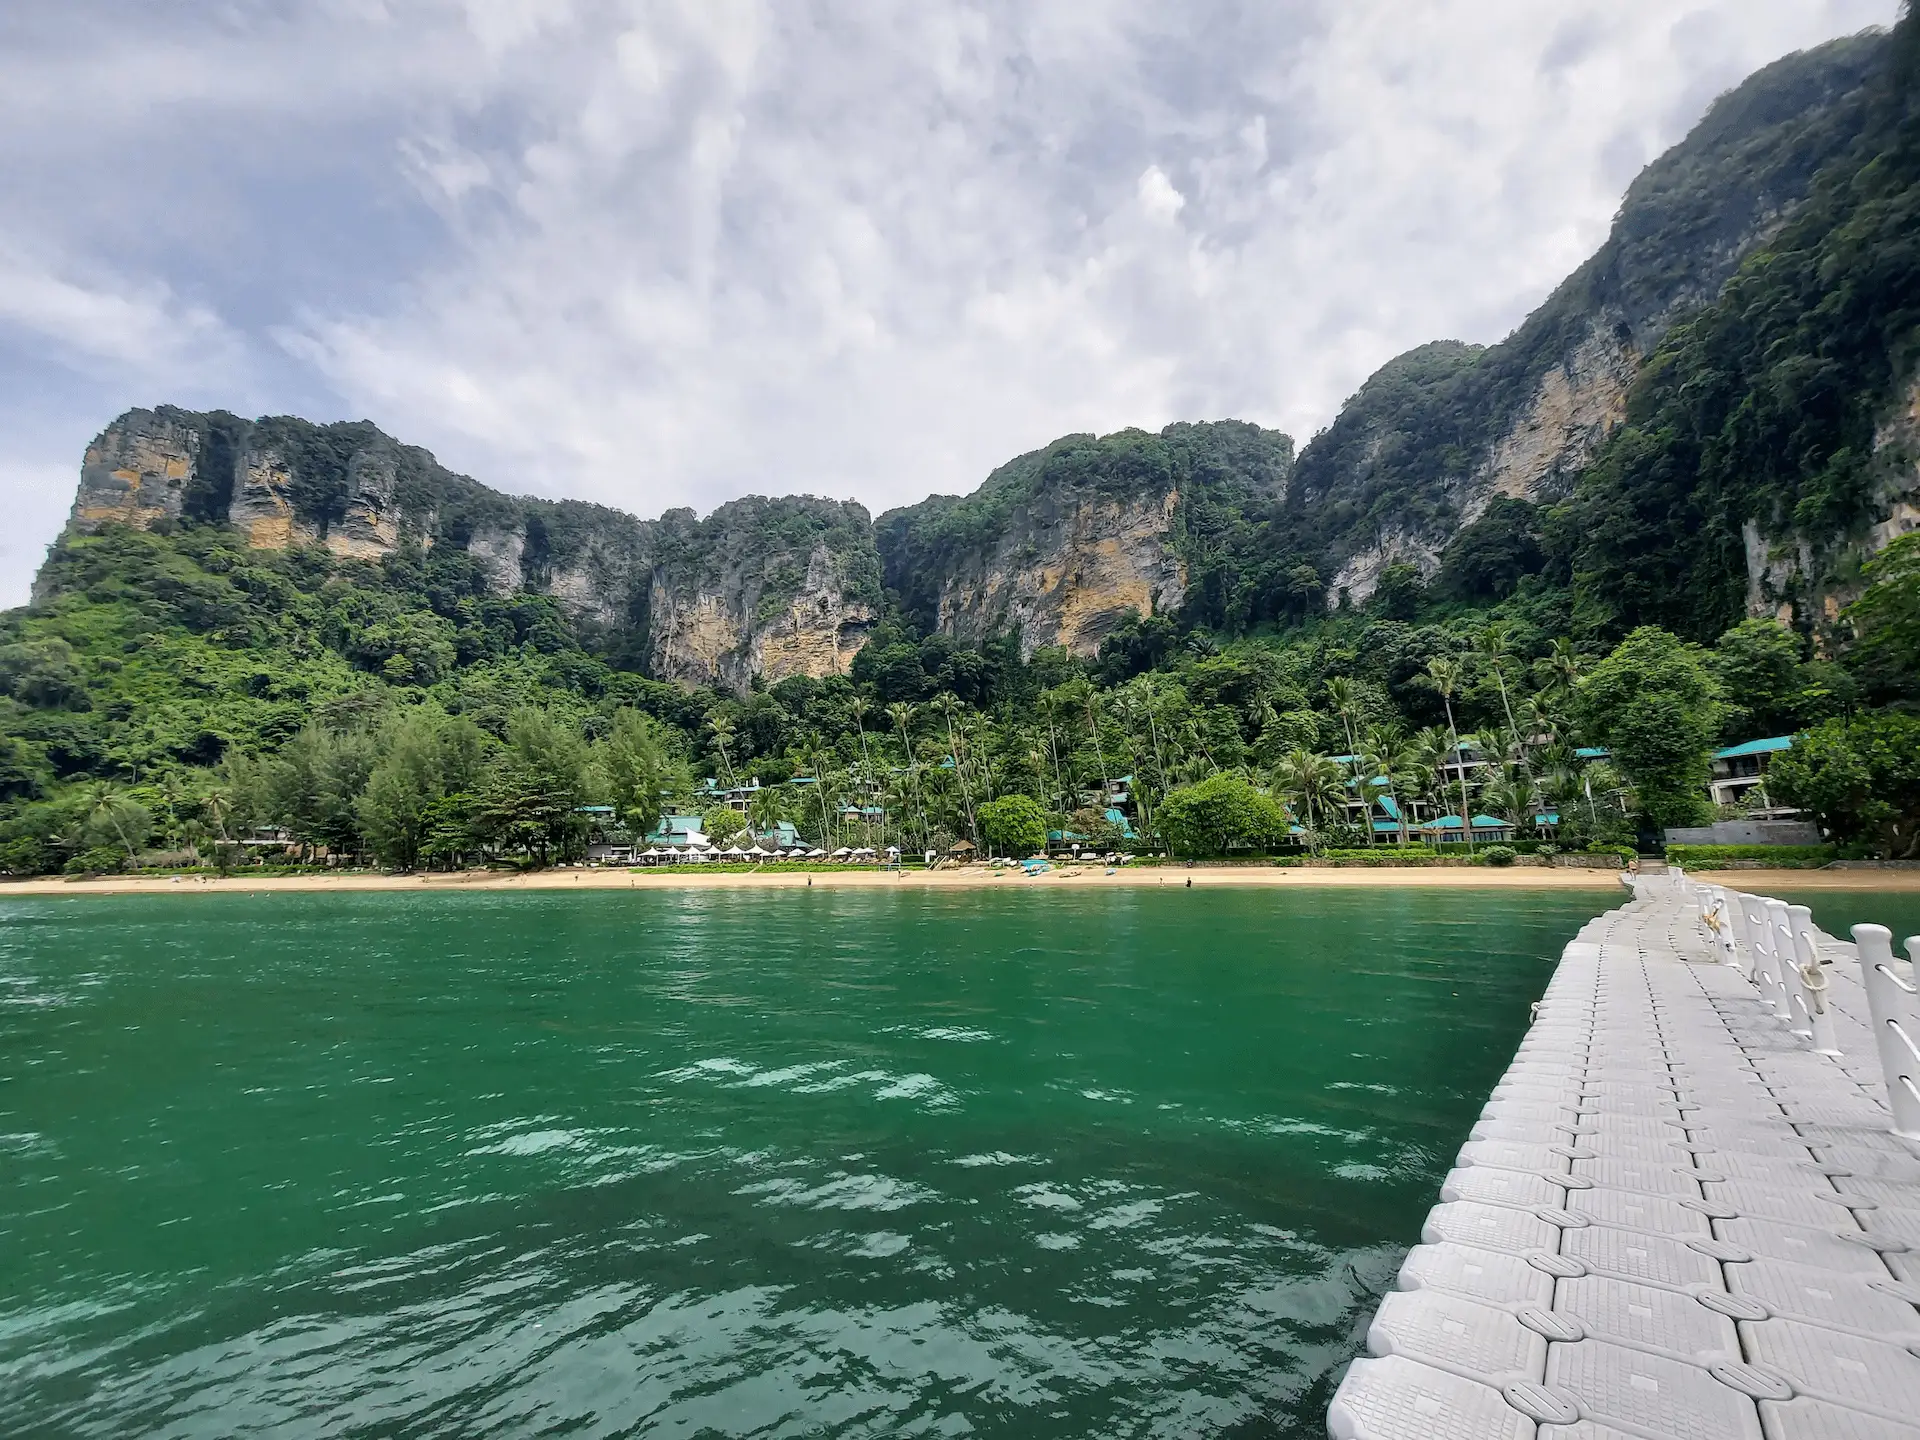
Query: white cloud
point(659, 252)
point(113, 325)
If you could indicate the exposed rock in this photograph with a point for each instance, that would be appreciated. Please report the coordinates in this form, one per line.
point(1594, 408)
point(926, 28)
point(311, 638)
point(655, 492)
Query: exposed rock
point(371, 526)
point(762, 587)
point(1575, 407)
point(498, 551)
point(1896, 445)
point(136, 472)
point(1066, 571)
point(262, 508)
point(1795, 579)
point(1359, 577)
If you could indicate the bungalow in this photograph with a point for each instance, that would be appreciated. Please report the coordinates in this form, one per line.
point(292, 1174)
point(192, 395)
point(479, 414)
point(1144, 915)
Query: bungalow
point(1740, 769)
point(782, 836)
point(1487, 830)
point(679, 832)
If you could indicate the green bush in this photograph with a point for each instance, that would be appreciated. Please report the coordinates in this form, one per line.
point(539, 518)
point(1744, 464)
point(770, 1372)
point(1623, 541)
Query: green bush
point(1785, 857)
point(1499, 854)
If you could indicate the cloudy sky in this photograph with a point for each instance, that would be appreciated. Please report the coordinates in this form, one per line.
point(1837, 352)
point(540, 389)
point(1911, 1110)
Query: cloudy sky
point(665, 252)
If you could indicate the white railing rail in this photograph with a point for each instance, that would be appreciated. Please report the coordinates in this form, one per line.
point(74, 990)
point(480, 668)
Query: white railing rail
point(1777, 948)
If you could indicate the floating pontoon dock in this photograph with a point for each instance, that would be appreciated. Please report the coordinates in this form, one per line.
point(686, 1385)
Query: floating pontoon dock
point(1685, 1213)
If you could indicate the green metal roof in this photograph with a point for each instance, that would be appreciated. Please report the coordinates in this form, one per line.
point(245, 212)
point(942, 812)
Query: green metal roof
point(1755, 747)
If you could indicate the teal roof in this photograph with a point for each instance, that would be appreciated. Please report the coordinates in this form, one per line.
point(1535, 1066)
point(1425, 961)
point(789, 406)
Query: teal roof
point(1755, 747)
point(1480, 822)
point(1593, 752)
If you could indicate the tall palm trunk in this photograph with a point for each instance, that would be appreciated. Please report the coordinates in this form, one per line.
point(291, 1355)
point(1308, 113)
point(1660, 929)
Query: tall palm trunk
point(1466, 818)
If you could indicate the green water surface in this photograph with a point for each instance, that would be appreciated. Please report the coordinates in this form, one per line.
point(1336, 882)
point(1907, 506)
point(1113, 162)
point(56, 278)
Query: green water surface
point(704, 1163)
point(1838, 911)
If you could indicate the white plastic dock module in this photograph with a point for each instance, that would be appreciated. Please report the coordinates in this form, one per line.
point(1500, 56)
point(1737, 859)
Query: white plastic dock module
point(1682, 1215)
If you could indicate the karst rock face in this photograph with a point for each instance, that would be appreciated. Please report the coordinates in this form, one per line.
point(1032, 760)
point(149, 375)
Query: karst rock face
point(1437, 434)
point(715, 601)
point(1062, 545)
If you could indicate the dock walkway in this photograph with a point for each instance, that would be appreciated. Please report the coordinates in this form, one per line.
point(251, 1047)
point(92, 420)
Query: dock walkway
point(1674, 1220)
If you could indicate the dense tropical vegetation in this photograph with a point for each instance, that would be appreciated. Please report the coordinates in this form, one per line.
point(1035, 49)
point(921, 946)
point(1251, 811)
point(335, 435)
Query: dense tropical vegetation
point(183, 696)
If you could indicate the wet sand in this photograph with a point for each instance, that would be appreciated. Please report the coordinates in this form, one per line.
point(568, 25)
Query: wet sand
point(1519, 877)
point(1755, 881)
point(717, 878)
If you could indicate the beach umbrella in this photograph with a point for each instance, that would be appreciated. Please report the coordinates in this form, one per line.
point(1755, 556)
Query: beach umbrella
point(816, 854)
point(843, 850)
point(863, 850)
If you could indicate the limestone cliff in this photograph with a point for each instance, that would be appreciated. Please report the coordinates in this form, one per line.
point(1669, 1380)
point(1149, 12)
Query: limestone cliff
point(136, 472)
point(1061, 544)
point(1792, 580)
point(761, 587)
point(1431, 439)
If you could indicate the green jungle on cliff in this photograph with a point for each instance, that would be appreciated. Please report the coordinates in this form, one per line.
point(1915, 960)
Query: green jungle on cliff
point(175, 698)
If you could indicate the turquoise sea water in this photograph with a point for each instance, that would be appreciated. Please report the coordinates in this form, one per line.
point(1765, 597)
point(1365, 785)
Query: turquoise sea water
point(1131, 1163)
point(1838, 911)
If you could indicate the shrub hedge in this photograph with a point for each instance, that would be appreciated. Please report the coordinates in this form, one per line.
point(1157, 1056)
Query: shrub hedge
point(1784, 857)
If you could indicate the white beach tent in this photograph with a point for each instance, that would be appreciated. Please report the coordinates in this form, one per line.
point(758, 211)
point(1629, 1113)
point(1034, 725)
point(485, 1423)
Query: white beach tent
point(734, 852)
point(816, 854)
point(763, 854)
point(842, 852)
point(862, 853)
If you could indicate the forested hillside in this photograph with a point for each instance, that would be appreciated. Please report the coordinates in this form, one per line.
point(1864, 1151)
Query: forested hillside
point(263, 627)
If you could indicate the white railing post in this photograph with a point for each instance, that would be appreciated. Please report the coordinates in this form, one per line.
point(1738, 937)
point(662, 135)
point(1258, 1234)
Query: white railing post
point(1743, 956)
point(1813, 981)
point(1896, 1027)
point(1796, 1006)
point(1721, 926)
point(1766, 961)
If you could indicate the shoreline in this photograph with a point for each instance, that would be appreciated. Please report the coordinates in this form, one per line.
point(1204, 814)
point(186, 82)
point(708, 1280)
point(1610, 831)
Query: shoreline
point(1089, 877)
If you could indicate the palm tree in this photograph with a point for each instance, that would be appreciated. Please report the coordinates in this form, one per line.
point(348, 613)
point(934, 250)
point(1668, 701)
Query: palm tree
point(1445, 675)
point(1314, 782)
point(900, 713)
point(1083, 689)
point(1391, 758)
point(1514, 798)
point(946, 704)
point(767, 808)
point(1565, 665)
point(217, 802)
point(1346, 704)
point(860, 707)
point(722, 732)
point(106, 805)
point(1051, 703)
point(1495, 648)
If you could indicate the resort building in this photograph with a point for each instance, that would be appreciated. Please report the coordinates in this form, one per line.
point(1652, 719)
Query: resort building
point(1739, 770)
point(678, 832)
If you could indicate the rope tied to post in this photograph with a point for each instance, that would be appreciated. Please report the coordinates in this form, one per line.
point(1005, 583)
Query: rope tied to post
point(1814, 979)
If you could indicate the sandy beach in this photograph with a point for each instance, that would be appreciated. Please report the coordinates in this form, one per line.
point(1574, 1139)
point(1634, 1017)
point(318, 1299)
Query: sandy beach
point(1756, 881)
point(1079, 877)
